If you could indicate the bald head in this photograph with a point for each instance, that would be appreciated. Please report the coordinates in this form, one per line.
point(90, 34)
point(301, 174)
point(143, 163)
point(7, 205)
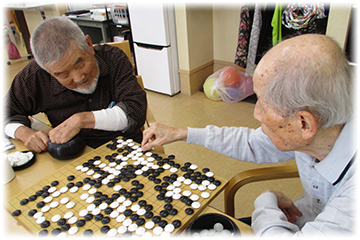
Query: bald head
point(308, 72)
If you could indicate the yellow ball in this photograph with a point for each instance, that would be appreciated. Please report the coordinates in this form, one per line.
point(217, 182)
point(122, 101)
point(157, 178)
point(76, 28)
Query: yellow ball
point(209, 91)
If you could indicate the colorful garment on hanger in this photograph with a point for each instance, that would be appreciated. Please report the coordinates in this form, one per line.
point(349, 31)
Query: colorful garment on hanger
point(297, 16)
point(246, 18)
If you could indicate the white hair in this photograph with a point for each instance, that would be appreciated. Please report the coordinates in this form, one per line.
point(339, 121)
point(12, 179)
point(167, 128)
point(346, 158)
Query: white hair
point(320, 84)
point(52, 38)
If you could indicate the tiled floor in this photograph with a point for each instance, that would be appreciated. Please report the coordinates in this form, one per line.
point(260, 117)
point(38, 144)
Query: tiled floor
point(198, 111)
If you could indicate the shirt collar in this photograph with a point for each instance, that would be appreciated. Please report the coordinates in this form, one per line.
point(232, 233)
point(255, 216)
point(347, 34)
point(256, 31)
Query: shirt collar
point(339, 158)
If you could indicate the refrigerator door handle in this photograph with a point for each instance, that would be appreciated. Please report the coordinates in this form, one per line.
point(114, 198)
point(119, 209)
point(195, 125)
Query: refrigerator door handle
point(150, 46)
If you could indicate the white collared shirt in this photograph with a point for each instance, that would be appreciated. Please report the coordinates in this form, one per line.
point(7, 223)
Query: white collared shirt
point(328, 202)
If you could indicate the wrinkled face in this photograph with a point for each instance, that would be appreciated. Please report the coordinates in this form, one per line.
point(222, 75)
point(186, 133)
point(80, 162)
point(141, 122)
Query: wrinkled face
point(283, 131)
point(77, 70)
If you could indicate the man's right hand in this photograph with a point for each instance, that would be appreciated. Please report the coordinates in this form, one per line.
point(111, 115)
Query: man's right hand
point(159, 134)
point(35, 141)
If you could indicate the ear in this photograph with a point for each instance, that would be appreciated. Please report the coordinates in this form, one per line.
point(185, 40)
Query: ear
point(307, 123)
point(88, 40)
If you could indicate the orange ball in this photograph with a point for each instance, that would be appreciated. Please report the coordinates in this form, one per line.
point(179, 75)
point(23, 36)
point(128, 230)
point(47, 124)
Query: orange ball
point(230, 76)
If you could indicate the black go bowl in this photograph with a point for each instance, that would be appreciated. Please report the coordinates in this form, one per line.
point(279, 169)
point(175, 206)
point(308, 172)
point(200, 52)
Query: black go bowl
point(207, 221)
point(68, 150)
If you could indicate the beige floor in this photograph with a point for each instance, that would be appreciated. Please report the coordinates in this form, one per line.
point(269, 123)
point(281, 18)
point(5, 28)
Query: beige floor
point(198, 111)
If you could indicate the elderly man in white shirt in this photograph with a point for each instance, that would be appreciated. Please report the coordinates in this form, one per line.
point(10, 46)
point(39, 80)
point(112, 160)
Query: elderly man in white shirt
point(304, 91)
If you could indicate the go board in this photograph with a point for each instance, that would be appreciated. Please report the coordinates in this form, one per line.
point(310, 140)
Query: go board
point(117, 190)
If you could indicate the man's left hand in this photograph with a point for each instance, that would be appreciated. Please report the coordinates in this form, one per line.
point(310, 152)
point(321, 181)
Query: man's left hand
point(287, 206)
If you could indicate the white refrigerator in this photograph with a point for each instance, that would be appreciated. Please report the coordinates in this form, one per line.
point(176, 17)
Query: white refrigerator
point(154, 36)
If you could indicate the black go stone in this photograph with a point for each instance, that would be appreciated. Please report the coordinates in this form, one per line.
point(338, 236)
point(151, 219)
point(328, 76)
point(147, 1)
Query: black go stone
point(104, 197)
point(99, 217)
point(176, 223)
point(189, 211)
point(55, 183)
point(98, 194)
point(148, 215)
point(65, 227)
point(80, 223)
point(32, 212)
point(70, 177)
point(88, 232)
point(127, 212)
point(148, 207)
point(79, 184)
point(162, 223)
point(139, 194)
point(168, 206)
point(45, 188)
point(134, 217)
point(157, 187)
point(164, 213)
point(43, 233)
point(217, 182)
point(24, 201)
point(45, 194)
point(88, 217)
point(45, 224)
point(105, 220)
point(142, 203)
point(168, 199)
point(108, 210)
point(16, 213)
point(56, 231)
point(156, 219)
point(104, 229)
point(40, 204)
point(38, 193)
point(205, 170)
point(173, 211)
point(140, 221)
point(61, 221)
point(86, 180)
point(160, 197)
point(97, 202)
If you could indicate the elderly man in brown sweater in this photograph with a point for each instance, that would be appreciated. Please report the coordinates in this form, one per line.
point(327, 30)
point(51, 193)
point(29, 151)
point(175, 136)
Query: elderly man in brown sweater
point(83, 89)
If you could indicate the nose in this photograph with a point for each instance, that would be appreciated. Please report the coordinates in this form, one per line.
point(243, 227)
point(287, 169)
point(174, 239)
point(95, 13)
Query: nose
point(78, 77)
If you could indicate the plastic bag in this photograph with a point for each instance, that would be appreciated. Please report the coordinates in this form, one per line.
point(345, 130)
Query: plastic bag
point(228, 84)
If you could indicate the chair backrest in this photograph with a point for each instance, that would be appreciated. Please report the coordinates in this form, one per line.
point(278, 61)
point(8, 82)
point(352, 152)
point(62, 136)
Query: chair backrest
point(125, 46)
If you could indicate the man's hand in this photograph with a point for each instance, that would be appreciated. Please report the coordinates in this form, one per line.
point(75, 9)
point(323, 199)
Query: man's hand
point(35, 141)
point(68, 129)
point(287, 206)
point(159, 134)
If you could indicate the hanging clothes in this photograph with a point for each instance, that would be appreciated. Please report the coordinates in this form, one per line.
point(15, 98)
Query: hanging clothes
point(265, 41)
point(246, 19)
point(254, 40)
point(276, 24)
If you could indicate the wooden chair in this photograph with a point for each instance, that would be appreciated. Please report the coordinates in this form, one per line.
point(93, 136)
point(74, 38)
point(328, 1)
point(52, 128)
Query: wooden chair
point(125, 46)
point(255, 175)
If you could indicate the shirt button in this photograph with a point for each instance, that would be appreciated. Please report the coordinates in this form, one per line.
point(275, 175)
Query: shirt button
point(318, 201)
point(315, 186)
point(90, 100)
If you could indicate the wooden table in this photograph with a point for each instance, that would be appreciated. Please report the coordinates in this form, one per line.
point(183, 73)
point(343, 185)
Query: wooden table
point(46, 165)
